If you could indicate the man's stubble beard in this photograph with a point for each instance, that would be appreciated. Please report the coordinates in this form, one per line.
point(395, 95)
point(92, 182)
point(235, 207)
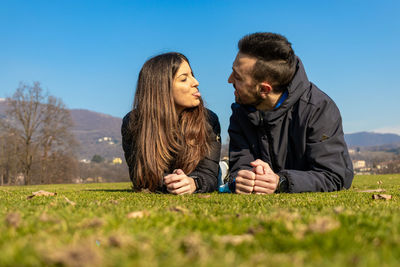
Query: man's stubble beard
point(257, 101)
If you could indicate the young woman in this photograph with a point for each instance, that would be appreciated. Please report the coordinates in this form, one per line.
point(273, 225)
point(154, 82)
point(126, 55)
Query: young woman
point(171, 141)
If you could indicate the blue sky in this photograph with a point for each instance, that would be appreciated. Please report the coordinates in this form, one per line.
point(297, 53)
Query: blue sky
point(89, 53)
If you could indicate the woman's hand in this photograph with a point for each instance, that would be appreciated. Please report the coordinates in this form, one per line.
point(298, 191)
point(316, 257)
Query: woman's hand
point(178, 183)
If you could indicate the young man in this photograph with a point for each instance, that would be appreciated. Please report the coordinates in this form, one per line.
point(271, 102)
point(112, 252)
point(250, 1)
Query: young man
point(285, 134)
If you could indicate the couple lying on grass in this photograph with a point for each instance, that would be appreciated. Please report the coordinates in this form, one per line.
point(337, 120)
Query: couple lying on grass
point(285, 134)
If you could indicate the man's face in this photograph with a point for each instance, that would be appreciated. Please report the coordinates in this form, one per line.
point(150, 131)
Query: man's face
point(242, 80)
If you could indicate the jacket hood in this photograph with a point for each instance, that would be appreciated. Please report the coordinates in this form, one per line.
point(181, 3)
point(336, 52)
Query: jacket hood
point(295, 88)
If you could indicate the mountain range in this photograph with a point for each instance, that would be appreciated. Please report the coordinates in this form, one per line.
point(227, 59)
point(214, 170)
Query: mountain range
point(100, 134)
point(96, 133)
point(370, 139)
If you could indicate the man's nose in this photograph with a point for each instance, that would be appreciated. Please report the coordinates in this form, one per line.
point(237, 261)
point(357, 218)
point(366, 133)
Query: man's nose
point(230, 78)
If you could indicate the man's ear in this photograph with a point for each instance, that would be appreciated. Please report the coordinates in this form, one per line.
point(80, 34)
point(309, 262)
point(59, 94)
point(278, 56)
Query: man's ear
point(265, 89)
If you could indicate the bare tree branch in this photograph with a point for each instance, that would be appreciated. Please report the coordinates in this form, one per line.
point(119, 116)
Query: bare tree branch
point(41, 125)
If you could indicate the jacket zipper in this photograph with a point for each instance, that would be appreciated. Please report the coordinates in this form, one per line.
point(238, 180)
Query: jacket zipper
point(267, 132)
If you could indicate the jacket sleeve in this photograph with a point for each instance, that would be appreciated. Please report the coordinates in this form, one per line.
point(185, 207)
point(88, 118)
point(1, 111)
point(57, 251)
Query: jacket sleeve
point(240, 154)
point(329, 164)
point(208, 168)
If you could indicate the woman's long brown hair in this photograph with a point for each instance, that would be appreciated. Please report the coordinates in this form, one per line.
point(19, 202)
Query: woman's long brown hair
point(162, 139)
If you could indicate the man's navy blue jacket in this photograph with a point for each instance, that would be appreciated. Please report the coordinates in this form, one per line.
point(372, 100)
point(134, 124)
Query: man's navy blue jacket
point(302, 139)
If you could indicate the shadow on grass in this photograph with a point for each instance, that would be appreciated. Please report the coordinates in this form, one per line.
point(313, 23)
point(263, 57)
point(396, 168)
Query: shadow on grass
point(110, 190)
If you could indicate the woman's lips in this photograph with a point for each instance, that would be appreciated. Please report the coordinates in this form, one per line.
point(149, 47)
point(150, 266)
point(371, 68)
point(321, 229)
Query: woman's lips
point(197, 94)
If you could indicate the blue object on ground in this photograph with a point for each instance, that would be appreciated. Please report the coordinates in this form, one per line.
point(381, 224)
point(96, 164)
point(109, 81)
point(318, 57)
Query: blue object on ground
point(224, 188)
point(223, 177)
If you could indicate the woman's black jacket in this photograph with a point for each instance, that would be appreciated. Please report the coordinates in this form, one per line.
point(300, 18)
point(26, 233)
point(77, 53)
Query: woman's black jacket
point(207, 169)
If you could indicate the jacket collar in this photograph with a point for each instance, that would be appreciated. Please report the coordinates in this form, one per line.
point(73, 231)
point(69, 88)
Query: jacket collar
point(295, 89)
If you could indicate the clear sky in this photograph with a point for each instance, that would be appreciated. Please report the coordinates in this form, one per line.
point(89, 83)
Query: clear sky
point(89, 53)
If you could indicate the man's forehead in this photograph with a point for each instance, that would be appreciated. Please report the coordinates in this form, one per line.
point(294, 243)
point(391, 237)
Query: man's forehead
point(244, 62)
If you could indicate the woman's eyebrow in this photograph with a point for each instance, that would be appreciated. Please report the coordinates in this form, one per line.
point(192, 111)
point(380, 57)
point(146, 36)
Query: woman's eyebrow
point(186, 74)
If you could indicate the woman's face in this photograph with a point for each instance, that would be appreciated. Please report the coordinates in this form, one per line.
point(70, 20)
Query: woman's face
point(184, 88)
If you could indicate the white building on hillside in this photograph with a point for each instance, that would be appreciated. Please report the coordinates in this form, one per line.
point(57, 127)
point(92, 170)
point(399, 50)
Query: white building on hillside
point(359, 164)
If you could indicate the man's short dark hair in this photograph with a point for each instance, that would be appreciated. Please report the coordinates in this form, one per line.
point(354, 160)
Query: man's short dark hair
point(276, 61)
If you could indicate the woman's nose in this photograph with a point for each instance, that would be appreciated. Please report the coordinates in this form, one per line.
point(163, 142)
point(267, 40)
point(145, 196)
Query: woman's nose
point(195, 82)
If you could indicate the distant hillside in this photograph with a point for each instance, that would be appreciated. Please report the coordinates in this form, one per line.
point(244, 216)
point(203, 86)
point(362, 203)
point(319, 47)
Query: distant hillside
point(3, 108)
point(90, 129)
point(363, 139)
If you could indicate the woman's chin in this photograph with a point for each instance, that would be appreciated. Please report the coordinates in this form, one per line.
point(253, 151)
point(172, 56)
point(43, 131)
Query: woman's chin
point(195, 103)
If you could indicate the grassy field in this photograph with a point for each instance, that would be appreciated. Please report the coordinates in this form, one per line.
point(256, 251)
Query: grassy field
point(108, 225)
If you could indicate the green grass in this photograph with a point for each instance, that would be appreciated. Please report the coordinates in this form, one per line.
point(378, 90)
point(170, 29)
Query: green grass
point(346, 228)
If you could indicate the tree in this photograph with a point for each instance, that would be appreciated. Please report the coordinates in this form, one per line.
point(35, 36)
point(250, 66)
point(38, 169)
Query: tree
point(97, 158)
point(8, 155)
point(41, 124)
point(55, 136)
